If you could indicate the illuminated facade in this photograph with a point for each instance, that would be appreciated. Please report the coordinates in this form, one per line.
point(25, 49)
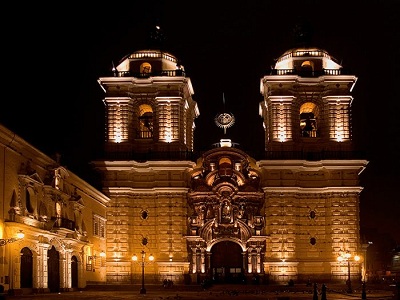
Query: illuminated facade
point(62, 217)
point(307, 95)
point(227, 216)
point(224, 215)
point(149, 107)
point(312, 205)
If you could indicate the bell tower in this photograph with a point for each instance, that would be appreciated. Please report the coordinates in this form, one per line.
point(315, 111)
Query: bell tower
point(310, 169)
point(149, 105)
point(307, 103)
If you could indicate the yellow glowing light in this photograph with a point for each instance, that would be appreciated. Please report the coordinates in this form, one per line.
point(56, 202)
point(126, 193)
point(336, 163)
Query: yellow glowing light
point(225, 143)
point(20, 235)
point(168, 136)
point(339, 137)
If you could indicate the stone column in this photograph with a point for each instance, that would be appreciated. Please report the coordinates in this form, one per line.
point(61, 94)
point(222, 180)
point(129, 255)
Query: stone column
point(40, 280)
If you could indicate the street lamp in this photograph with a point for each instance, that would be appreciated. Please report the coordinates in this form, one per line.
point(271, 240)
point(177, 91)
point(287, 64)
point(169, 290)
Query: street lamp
point(346, 257)
point(143, 262)
point(20, 235)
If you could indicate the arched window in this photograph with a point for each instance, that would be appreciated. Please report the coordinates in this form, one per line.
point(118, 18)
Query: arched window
point(43, 215)
point(145, 69)
point(74, 272)
point(26, 268)
point(307, 68)
point(30, 200)
point(145, 121)
point(58, 210)
point(308, 120)
point(225, 167)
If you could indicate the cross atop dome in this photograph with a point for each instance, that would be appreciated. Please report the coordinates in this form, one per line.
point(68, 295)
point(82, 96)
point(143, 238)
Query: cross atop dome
point(302, 33)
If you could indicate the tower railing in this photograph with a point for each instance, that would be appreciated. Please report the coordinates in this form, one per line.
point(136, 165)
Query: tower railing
point(308, 73)
point(167, 73)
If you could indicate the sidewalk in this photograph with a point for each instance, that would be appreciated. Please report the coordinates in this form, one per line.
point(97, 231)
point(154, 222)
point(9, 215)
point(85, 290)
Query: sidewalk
point(216, 292)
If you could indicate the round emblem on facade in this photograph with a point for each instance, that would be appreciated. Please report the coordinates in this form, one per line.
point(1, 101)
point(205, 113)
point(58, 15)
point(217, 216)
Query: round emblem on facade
point(225, 120)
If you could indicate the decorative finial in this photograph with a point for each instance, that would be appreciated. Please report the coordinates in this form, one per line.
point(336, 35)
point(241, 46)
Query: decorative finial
point(302, 33)
point(224, 120)
point(156, 37)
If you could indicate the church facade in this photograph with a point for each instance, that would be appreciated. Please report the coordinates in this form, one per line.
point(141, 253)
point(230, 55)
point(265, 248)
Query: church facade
point(222, 215)
point(225, 215)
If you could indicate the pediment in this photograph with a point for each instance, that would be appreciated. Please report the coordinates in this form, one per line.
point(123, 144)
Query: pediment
point(34, 178)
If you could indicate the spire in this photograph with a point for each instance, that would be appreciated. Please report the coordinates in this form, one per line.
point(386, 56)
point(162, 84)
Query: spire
point(156, 38)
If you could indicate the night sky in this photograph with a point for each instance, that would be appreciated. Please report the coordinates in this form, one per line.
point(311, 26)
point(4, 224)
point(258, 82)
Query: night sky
point(54, 56)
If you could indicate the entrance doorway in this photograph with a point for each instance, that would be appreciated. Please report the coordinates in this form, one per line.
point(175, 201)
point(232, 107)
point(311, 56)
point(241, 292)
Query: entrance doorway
point(26, 268)
point(74, 272)
point(227, 263)
point(53, 266)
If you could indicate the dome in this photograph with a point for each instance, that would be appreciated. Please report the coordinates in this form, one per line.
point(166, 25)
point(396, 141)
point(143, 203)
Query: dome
point(153, 62)
point(315, 59)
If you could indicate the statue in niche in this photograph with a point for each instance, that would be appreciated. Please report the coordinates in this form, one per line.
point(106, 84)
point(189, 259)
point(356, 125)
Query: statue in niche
point(226, 212)
point(210, 212)
point(241, 211)
point(252, 211)
point(203, 212)
point(226, 209)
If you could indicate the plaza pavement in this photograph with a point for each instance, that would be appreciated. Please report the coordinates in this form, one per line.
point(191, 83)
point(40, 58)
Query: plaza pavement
point(216, 292)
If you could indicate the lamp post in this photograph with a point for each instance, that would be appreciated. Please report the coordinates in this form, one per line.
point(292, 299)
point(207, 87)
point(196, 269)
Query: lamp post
point(20, 235)
point(346, 257)
point(142, 263)
point(364, 270)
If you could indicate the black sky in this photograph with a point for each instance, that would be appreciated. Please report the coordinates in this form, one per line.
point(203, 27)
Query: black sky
point(54, 56)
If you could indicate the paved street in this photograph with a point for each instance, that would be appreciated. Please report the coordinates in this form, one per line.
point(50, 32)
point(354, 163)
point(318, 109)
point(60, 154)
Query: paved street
point(216, 292)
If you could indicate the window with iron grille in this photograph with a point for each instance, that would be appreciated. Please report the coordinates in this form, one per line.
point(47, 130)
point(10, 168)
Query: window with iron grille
point(99, 224)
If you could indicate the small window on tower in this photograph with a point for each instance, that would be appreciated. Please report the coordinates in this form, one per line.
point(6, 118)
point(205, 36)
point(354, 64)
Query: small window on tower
point(145, 121)
point(308, 120)
point(145, 69)
point(307, 69)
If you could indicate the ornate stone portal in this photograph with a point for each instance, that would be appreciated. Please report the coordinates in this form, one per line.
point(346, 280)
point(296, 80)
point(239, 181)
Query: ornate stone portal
point(227, 205)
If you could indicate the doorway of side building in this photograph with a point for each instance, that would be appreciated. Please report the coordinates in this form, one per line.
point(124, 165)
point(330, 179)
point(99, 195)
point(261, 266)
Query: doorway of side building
point(74, 272)
point(26, 270)
point(227, 263)
point(53, 266)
